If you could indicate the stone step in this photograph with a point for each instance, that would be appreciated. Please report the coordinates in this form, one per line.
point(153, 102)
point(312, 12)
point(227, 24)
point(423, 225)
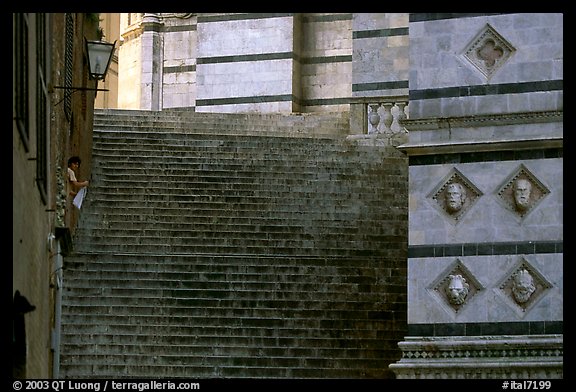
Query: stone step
point(256, 157)
point(148, 165)
point(256, 154)
point(199, 371)
point(167, 228)
point(198, 345)
point(306, 125)
point(250, 211)
point(190, 299)
point(207, 221)
point(270, 350)
point(332, 192)
point(274, 177)
point(200, 192)
point(114, 138)
point(274, 119)
point(310, 266)
point(240, 118)
point(256, 149)
point(238, 203)
point(81, 300)
point(306, 131)
point(241, 152)
point(214, 316)
point(245, 247)
point(256, 290)
point(230, 237)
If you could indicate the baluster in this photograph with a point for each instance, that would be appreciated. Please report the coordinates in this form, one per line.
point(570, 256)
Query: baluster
point(387, 116)
point(373, 118)
point(401, 114)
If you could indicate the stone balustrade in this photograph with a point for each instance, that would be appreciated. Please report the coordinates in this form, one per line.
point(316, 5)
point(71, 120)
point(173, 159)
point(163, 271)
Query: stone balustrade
point(386, 115)
point(379, 117)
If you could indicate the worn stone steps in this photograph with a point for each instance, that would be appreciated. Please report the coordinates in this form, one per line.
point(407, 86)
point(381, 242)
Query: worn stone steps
point(236, 246)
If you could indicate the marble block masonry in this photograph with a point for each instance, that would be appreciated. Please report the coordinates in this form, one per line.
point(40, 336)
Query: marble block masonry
point(485, 258)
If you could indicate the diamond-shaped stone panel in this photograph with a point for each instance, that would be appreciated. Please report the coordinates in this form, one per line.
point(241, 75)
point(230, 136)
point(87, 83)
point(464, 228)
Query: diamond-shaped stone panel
point(488, 51)
point(521, 192)
point(454, 195)
point(456, 286)
point(523, 285)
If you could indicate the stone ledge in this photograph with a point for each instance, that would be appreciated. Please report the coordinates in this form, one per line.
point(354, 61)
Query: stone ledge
point(483, 120)
point(507, 356)
point(480, 146)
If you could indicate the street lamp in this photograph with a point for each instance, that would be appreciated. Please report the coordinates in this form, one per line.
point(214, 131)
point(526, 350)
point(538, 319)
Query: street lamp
point(99, 54)
point(99, 57)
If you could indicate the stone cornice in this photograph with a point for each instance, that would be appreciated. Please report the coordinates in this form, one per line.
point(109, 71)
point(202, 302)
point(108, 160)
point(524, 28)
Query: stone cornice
point(481, 357)
point(131, 33)
point(486, 120)
point(480, 146)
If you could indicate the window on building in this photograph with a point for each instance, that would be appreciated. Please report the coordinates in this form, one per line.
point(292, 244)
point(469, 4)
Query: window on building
point(41, 108)
point(21, 72)
point(68, 64)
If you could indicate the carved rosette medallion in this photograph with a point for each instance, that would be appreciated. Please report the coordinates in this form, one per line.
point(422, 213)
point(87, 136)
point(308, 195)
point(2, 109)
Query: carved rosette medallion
point(455, 287)
point(488, 51)
point(522, 191)
point(454, 195)
point(523, 286)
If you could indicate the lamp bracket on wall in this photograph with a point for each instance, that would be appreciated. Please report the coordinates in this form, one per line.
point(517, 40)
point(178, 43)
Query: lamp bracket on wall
point(74, 89)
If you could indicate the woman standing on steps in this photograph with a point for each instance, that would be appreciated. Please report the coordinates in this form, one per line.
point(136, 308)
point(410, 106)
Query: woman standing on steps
point(73, 186)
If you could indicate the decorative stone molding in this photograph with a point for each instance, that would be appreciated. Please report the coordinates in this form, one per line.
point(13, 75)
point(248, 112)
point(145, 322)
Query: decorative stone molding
point(523, 286)
point(454, 195)
point(455, 287)
point(151, 18)
point(488, 51)
point(485, 120)
point(521, 192)
point(179, 15)
point(525, 357)
point(415, 149)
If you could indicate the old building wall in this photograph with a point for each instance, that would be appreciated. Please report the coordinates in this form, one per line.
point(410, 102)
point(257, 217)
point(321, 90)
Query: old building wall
point(380, 63)
point(248, 63)
point(110, 25)
point(179, 60)
point(326, 62)
point(259, 62)
point(129, 62)
point(51, 122)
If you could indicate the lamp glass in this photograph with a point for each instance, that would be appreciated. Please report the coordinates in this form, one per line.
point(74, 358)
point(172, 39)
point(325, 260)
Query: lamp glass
point(99, 56)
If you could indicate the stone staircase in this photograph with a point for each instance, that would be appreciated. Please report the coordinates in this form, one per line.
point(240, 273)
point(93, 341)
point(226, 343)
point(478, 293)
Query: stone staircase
point(236, 246)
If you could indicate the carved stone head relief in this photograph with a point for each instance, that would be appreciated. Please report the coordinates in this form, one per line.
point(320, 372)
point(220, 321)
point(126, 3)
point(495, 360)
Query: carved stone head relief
point(521, 191)
point(454, 195)
point(523, 286)
point(455, 287)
